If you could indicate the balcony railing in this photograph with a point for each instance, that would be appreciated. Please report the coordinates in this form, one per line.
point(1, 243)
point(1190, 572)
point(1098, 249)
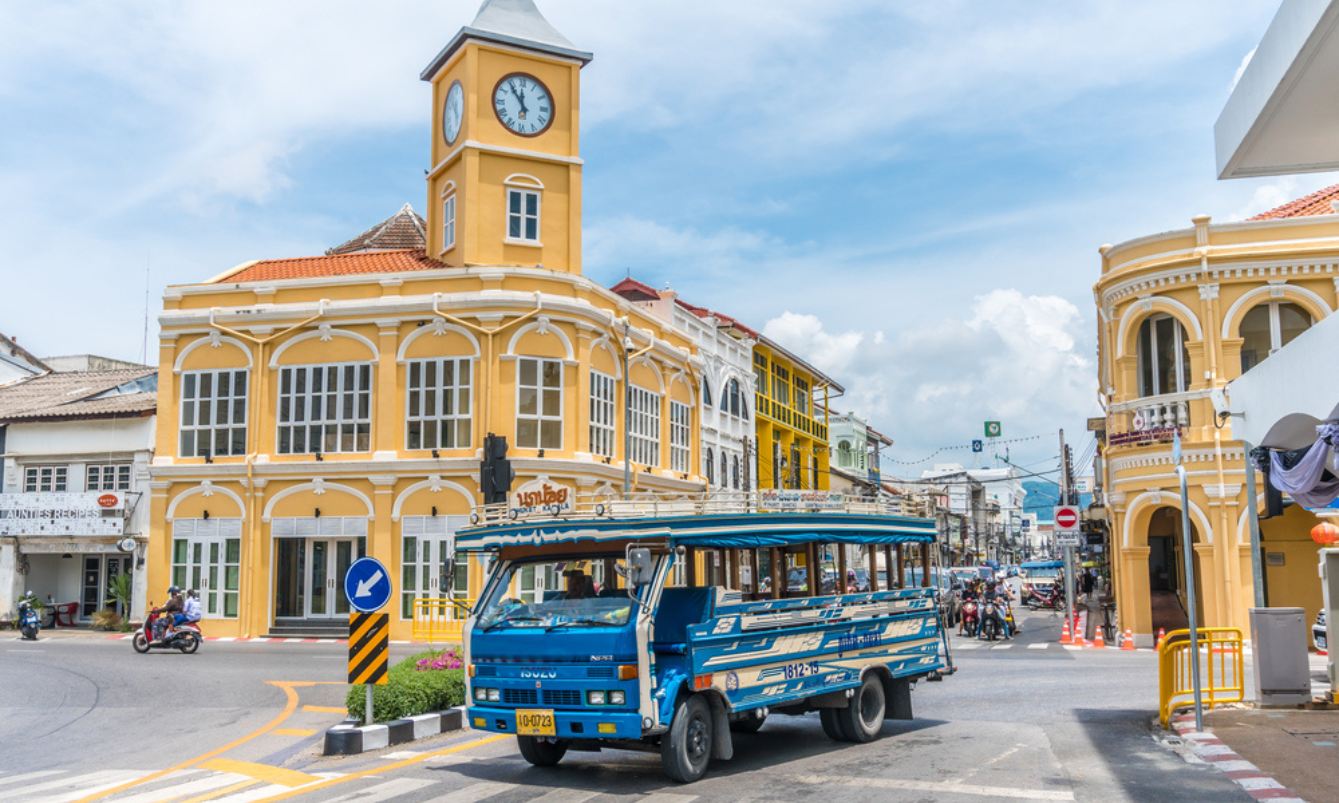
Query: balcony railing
point(1153, 420)
point(782, 414)
point(61, 513)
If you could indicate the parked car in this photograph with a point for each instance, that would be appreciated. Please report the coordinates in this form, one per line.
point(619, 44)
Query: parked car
point(1320, 633)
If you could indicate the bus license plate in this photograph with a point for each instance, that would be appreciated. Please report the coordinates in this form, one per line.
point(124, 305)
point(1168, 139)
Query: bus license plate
point(532, 722)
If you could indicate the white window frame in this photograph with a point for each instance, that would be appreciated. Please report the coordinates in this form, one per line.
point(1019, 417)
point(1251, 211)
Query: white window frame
point(439, 393)
point(539, 417)
point(211, 429)
point(644, 427)
point(603, 414)
point(448, 222)
point(339, 421)
point(681, 429)
point(96, 476)
point(523, 217)
point(1178, 350)
point(1275, 325)
point(206, 567)
point(56, 479)
point(433, 542)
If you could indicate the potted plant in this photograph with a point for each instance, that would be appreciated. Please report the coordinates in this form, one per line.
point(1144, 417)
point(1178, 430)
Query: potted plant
point(119, 591)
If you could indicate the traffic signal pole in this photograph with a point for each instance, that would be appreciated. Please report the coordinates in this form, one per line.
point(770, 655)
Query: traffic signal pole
point(1069, 550)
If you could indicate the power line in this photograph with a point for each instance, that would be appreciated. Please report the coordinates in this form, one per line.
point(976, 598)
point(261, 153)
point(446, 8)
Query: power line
point(956, 448)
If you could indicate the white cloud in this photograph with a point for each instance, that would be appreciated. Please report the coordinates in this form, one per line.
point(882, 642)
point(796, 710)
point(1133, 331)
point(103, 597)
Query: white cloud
point(1013, 357)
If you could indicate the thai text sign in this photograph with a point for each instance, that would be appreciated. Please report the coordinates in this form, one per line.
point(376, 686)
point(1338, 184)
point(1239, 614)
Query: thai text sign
point(541, 494)
point(63, 513)
point(799, 500)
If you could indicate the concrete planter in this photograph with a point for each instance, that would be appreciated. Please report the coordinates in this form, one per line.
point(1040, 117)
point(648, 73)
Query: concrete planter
point(349, 738)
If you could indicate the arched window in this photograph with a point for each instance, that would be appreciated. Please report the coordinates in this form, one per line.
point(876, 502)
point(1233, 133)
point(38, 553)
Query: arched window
point(706, 395)
point(734, 399)
point(1268, 328)
point(734, 472)
point(725, 475)
point(844, 456)
point(711, 468)
point(1164, 362)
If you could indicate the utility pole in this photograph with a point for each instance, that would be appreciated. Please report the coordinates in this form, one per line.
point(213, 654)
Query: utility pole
point(1069, 550)
point(627, 415)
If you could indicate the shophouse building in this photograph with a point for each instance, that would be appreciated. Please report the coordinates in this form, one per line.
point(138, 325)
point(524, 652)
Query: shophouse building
point(976, 513)
point(1181, 314)
point(725, 348)
point(315, 409)
point(792, 404)
point(856, 452)
point(74, 509)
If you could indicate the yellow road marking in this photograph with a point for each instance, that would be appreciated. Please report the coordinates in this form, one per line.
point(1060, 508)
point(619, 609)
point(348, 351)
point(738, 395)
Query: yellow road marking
point(385, 768)
point(261, 772)
point(290, 705)
point(325, 709)
point(294, 732)
point(218, 793)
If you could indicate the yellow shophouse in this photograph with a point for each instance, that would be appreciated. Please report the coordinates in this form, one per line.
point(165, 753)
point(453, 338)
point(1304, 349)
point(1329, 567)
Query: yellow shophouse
point(315, 409)
point(792, 421)
point(1181, 314)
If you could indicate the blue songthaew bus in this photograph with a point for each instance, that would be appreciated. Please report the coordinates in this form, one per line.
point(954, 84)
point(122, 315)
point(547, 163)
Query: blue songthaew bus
point(669, 632)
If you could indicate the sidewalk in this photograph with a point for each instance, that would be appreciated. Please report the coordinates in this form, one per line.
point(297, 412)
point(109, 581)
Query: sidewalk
point(1300, 749)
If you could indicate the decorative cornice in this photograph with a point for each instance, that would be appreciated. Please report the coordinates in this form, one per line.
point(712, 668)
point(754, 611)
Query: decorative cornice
point(1208, 292)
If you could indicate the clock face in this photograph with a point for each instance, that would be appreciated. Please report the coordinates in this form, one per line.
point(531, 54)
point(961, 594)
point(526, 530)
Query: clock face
point(453, 113)
point(523, 104)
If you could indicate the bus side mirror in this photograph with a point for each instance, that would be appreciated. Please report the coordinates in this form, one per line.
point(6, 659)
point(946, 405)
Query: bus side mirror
point(641, 567)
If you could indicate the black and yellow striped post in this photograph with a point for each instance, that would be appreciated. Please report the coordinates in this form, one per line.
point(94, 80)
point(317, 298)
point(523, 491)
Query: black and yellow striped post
point(369, 652)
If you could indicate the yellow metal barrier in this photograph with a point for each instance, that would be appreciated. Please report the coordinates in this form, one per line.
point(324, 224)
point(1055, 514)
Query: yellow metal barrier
point(439, 620)
point(1222, 679)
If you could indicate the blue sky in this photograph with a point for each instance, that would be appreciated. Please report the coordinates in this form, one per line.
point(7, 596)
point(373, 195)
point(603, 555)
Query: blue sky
point(911, 194)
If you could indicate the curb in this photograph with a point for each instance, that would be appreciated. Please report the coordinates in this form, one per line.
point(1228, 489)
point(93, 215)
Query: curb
point(1215, 752)
point(350, 739)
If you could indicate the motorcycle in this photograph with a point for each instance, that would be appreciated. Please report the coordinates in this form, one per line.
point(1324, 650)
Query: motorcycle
point(29, 623)
point(186, 637)
point(990, 620)
point(971, 619)
point(1048, 598)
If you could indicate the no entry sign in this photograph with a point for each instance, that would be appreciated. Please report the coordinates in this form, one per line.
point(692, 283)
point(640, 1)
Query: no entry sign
point(1066, 518)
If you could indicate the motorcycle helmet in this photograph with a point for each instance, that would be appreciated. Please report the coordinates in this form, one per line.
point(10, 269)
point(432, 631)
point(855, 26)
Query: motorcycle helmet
point(172, 591)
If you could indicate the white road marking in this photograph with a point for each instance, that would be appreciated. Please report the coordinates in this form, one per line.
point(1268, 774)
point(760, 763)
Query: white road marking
point(473, 792)
point(1040, 646)
point(103, 779)
point(947, 787)
point(384, 791)
point(667, 797)
point(968, 645)
point(176, 791)
point(28, 776)
point(565, 796)
point(1005, 646)
point(401, 754)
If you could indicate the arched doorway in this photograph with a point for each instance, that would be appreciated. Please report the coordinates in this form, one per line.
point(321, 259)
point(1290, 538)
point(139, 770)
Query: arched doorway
point(1167, 596)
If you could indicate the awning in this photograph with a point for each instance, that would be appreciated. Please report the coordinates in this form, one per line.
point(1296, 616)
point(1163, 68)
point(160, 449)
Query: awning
point(1279, 403)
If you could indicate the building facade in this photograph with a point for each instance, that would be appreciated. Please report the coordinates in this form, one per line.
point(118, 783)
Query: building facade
point(791, 404)
point(856, 452)
point(74, 511)
point(724, 348)
point(1181, 314)
point(316, 409)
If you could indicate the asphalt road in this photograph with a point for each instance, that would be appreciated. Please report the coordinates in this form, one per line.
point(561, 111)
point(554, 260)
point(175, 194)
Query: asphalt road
point(1027, 720)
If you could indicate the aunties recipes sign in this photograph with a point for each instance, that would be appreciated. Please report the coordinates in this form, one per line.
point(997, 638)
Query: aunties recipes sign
point(93, 513)
point(542, 495)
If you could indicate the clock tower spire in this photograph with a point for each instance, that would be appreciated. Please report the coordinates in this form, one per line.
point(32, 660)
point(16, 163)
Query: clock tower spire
point(504, 185)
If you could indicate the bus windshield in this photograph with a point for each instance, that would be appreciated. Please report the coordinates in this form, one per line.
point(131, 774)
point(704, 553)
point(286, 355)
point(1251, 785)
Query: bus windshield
point(552, 594)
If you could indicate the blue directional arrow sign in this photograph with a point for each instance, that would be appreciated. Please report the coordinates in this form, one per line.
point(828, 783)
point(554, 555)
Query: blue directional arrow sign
point(367, 585)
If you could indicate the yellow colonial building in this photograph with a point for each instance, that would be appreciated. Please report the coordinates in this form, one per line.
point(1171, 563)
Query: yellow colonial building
point(315, 409)
point(1181, 314)
point(792, 399)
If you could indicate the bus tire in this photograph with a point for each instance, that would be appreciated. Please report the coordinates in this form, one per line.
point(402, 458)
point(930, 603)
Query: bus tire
point(685, 751)
point(862, 718)
point(832, 725)
point(540, 752)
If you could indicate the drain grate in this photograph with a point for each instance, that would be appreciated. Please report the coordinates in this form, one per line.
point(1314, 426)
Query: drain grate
point(1328, 738)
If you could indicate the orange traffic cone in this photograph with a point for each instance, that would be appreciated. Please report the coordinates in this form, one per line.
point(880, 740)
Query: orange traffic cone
point(1127, 640)
point(1099, 641)
point(1162, 634)
point(1064, 633)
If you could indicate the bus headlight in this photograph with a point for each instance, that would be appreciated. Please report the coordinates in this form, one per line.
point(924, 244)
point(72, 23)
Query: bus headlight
point(595, 698)
point(617, 698)
point(494, 695)
point(480, 693)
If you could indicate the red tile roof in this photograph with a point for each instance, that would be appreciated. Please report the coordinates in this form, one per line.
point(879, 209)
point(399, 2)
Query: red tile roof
point(404, 229)
point(1320, 202)
point(633, 290)
point(401, 261)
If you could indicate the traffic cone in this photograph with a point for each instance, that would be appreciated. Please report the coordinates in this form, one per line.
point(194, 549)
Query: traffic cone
point(1064, 633)
point(1162, 634)
point(1099, 641)
point(1127, 640)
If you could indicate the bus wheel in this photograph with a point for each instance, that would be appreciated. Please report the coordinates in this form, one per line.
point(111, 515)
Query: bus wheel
point(540, 752)
point(832, 724)
point(686, 750)
point(749, 724)
point(862, 719)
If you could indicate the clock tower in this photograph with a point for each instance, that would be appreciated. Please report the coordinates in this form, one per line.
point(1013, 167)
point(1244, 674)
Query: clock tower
point(504, 185)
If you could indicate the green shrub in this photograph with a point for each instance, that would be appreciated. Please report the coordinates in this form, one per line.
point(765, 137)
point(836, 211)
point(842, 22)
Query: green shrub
point(106, 619)
point(412, 689)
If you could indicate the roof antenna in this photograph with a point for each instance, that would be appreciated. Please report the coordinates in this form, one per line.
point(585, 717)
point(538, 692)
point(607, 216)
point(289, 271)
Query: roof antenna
point(144, 342)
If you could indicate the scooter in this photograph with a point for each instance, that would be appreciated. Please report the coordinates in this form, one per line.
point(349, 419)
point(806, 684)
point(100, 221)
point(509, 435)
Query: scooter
point(186, 637)
point(990, 620)
point(1049, 598)
point(971, 619)
point(29, 623)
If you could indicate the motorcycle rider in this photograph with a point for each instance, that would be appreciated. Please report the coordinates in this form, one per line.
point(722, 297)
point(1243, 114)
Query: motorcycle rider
point(999, 596)
point(168, 613)
point(190, 611)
